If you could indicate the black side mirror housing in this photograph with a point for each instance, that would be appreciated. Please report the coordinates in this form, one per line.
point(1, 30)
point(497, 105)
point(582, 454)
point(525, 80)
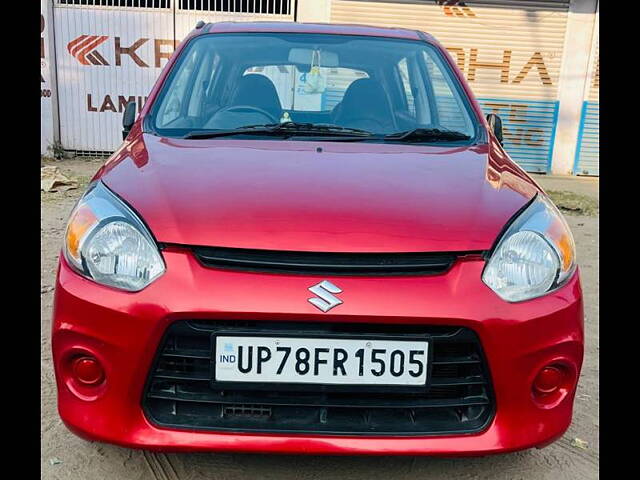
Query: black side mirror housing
point(495, 123)
point(128, 119)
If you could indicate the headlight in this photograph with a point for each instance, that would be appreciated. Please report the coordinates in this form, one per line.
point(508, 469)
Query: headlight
point(534, 256)
point(107, 242)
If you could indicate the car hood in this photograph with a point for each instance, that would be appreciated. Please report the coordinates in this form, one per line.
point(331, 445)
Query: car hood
point(319, 196)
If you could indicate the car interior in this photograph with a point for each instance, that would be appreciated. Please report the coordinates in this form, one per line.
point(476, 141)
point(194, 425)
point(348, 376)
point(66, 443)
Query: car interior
point(368, 85)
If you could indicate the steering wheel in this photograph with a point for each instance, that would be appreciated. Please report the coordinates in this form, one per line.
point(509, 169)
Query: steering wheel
point(249, 108)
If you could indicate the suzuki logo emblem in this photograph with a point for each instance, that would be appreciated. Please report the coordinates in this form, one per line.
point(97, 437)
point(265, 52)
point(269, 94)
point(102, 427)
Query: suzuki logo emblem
point(325, 290)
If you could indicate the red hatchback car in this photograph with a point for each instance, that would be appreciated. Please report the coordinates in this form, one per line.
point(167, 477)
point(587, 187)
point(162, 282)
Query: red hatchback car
point(312, 241)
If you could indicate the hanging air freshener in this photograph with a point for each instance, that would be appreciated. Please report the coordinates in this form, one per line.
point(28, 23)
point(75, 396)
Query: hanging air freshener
point(316, 82)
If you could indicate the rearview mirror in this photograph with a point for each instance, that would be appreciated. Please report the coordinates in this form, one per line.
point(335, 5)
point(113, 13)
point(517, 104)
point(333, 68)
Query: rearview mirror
point(495, 124)
point(128, 119)
point(308, 56)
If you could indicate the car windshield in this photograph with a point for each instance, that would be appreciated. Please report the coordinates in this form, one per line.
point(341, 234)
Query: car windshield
point(308, 84)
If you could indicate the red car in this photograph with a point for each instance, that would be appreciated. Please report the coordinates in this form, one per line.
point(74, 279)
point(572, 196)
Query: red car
point(312, 241)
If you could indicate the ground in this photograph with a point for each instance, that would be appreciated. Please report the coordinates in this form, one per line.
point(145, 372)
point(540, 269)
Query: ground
point(574, 456)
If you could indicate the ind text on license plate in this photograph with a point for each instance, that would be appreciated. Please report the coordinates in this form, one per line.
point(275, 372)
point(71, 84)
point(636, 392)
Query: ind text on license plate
point(332, 361)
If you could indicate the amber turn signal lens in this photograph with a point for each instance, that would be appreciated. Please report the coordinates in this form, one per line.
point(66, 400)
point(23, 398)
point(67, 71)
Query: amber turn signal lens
point(79, 224)
point(563, 242)
point(565, 247)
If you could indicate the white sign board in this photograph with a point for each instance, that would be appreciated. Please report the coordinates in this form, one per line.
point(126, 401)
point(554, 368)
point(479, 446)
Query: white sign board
point(106, 58)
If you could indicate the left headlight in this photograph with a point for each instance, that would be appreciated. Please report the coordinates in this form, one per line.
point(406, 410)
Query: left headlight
point(534, 256)
point(107, 242)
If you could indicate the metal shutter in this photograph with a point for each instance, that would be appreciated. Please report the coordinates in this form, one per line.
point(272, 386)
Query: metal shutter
point(587, 160)
point(188, 12)
point(509, 50)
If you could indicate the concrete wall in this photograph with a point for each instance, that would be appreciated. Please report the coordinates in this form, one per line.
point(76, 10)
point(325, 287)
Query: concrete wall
point(314, 11)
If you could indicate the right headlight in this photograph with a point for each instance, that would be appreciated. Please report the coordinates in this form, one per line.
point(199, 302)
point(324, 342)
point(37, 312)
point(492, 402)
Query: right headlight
point(108, 243)
point(534, 256)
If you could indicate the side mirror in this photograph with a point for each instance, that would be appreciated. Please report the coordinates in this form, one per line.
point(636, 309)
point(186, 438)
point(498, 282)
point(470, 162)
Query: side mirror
point(128, 119)
point(495, 124)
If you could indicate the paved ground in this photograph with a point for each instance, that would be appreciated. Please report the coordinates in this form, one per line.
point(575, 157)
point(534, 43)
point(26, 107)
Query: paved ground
point(65, 456)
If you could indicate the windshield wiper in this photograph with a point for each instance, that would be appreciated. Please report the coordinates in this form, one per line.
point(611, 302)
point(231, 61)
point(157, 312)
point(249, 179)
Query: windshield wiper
point(202, 134)
point(282, 129)
point(315, 128)
point(427, 134)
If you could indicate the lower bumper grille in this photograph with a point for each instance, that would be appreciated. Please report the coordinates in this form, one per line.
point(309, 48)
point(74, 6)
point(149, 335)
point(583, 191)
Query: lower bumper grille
point(179, 394)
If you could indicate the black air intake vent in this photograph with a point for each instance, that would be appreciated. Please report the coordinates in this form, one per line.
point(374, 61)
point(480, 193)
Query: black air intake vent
point(326, 263)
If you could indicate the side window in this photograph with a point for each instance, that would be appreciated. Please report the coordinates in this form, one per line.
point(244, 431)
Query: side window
point(451, 111)
point(171, 107)
point(403, 70)
point(201, 85)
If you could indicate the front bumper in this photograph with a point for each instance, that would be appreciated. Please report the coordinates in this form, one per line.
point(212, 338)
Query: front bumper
point(123, 331)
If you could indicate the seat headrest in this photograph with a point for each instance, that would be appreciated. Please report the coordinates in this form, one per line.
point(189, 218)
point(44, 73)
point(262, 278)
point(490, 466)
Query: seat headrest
point(258, 91)
point(365, 99)
point(367, 93)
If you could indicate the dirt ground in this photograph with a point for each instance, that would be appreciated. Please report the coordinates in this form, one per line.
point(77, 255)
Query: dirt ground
point(65, 456)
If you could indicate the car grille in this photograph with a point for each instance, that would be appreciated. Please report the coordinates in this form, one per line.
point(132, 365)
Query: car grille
point(179, 393)
point(327, 263)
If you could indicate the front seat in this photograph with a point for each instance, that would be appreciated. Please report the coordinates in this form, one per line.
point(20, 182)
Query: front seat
point(365, 106)
point(257, 91)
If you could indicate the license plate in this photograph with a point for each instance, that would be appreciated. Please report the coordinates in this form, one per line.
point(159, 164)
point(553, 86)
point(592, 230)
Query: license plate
point(329, 361)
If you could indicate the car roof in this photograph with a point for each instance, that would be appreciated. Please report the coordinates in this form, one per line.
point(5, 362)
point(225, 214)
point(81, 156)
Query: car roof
point(326, 28)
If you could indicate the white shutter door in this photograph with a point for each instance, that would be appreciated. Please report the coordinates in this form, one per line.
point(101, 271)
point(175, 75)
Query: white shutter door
point(509, 50)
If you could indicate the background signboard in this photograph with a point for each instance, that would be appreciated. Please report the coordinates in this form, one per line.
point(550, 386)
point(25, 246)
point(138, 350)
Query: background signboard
point(106, 57)
point(111, 52)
